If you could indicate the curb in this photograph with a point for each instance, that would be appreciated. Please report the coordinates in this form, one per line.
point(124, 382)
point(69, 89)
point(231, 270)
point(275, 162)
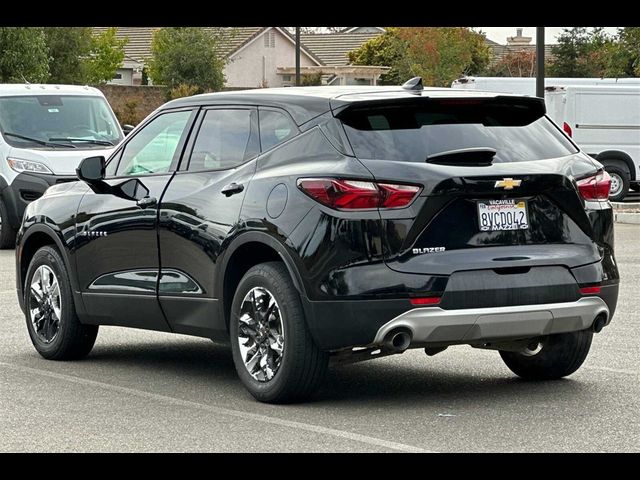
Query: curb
point(625, 206)
point(622, 217)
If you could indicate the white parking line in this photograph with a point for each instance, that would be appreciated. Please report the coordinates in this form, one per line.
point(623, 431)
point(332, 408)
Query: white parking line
point(377, 442)
point(614, 370)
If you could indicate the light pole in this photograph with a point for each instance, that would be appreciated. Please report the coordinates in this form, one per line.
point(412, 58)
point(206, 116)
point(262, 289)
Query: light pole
point(540, 62)
point(297, 56)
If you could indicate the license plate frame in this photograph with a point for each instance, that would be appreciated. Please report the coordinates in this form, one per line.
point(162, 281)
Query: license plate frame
point(502, 215)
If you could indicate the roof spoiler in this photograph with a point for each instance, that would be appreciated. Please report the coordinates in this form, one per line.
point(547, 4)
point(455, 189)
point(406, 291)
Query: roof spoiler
point(504, 110)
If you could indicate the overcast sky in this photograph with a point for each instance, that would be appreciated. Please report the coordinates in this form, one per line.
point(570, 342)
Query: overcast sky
point(500, 34)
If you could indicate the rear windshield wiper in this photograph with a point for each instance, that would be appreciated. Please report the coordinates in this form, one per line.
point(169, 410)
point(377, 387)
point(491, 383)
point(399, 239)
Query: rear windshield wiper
point(476, 156)
point(85, 140)
point(36, 140)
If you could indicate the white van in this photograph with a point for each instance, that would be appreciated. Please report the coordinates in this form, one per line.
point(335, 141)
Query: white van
point(605, 122)
point(527, 85)
point(45, 131)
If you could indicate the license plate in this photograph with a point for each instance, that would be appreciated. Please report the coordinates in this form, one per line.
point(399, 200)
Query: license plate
point(502, 215)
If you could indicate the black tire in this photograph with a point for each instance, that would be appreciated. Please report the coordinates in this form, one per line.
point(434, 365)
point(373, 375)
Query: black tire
point(7, 233)
point(560, 356)
point(622, 176)
point(303, 365)
point(73, 340)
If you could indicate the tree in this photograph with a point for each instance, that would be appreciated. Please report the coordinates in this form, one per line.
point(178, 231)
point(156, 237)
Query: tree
point(626, 54)
point(385, 50)
point(583, 52)
point(437, 54)
point(572, 45)
point(106, 56)
point(76, 56)
point(187, 56)
point(68, 46)
point(520, 63)
point(23, 55)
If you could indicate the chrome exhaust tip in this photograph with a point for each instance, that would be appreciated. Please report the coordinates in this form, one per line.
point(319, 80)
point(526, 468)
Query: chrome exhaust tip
point(397, 340)
point(599, 322)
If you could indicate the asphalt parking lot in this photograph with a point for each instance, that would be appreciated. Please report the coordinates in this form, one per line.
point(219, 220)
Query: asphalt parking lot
point(145, 391)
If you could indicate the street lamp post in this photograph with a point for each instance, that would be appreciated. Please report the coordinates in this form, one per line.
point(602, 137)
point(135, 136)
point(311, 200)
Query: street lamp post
point(297, 56)
point(540, 62)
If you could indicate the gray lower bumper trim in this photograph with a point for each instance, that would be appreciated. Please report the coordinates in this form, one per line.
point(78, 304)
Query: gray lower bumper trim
point(435, 325)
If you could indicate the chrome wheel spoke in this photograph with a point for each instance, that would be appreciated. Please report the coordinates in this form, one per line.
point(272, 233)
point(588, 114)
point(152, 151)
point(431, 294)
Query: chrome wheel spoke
point(45, 275)
point(261, 334)
point(36, 291)
point(253, 360)
point(276, 344)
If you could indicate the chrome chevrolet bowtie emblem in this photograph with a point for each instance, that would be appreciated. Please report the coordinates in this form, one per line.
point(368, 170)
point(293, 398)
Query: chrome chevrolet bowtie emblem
point(507, 183)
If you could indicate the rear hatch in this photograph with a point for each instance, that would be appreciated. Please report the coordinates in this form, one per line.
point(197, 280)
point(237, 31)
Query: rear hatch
point(497, 183)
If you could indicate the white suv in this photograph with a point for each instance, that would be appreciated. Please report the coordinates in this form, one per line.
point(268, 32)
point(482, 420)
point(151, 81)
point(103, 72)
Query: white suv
point(45, 131)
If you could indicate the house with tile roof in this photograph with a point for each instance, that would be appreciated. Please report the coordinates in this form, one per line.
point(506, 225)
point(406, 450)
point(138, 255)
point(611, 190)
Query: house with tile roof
point(517, 43)
point(261, 56)
point(265, 56)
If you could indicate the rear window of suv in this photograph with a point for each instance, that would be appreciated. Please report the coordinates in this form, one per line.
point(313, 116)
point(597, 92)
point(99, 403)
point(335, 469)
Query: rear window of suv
point(412, 133)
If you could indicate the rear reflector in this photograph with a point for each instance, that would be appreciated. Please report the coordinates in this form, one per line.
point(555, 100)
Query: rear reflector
point(596, 187)
point(567, 129)
point(590, 290)
point(345, 194)
point(425, 301)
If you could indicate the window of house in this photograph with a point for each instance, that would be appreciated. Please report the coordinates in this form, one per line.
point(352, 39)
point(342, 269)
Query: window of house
point(275, 127)
point(270, 39)
point(226, 139)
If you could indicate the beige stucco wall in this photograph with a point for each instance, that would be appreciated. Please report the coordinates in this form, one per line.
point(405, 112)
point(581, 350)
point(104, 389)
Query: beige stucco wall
point(245, 68)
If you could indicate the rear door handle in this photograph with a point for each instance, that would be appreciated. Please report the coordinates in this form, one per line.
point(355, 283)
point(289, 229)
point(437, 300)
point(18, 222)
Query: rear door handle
point(232, 189)
point(147, 202)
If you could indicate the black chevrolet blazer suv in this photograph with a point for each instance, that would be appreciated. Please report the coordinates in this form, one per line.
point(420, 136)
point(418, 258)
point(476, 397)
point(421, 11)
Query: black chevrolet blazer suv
point(319, 225)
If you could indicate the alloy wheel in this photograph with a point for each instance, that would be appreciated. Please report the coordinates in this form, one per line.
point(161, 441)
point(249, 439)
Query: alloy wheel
point(261, 334)
point(45, 304)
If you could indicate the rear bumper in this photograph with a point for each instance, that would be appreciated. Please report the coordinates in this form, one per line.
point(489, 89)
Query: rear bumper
point(336, 325)
point(433, 325)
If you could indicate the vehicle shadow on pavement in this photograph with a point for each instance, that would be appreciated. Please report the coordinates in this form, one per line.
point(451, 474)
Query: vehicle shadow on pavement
point(208, 367)
point(434, 386)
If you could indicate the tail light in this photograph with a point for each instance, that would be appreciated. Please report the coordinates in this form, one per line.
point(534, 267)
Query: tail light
point(596, 187)
point(344, 194)
point(567, 129)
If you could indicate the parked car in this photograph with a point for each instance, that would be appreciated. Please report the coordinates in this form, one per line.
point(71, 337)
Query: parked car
point(312, 224)
point(45, 131)
point(605, 122)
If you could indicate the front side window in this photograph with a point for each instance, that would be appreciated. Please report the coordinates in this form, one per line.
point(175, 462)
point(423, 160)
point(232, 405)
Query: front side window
point(54, 122)
point(275, 128)
point(153, 148)
point(226, 139)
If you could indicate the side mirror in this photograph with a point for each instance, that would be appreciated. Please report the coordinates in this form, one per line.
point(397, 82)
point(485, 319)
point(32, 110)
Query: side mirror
point(91, 170)
point(126, 128)
point(132, 189)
